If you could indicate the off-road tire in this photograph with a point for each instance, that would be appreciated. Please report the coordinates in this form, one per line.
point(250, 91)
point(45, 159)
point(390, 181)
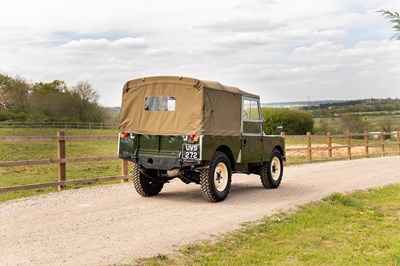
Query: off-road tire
point(145, 186)
point(271, 172)
point(216, 180)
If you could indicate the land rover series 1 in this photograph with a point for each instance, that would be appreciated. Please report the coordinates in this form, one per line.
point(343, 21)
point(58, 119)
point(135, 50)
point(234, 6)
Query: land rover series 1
point(198, 131)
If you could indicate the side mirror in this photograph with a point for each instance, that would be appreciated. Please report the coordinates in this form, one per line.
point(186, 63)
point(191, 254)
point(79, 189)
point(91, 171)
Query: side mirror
point(279, 128)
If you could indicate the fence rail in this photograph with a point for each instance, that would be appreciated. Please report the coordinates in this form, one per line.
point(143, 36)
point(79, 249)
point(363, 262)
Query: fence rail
point(329, 149)
point(61, 161)
point(59, 125)
point(382, 143)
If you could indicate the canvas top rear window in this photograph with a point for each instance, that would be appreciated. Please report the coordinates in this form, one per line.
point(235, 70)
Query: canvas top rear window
point(160, 103)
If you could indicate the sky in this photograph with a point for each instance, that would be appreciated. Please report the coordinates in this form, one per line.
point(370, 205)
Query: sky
point(281, 50)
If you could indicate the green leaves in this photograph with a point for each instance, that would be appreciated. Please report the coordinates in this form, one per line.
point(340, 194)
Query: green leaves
point(394, 18)
point(294, 122)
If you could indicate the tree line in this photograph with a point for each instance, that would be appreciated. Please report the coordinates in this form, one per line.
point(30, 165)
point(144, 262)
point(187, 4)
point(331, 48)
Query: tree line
point(21, 100)
point(366, 105)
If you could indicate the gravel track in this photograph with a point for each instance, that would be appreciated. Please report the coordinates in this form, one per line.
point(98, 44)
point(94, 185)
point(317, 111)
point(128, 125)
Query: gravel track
point(112, 224)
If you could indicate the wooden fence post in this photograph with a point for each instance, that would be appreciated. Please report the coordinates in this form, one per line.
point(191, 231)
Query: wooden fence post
point(62, 169)
point(348, 137)
point(382, 142)
point(124, 170)
point(329, 145)
point(398, 140)
point(309, 146)
point(366, 143)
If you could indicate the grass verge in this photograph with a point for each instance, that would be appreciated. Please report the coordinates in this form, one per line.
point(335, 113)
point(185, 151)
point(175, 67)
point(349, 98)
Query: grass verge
point(357, 229)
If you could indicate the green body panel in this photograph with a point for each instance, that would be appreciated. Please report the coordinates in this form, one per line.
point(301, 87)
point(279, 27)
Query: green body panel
point(150, 145)
point(243, 150)
point(252, 149)
point(159, 145)
point(212, 143)
point(269, 143)
point(126, 147)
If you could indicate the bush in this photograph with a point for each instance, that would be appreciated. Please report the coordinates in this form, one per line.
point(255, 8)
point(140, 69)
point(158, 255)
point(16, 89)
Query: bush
point(352, 123)
point(294, 122)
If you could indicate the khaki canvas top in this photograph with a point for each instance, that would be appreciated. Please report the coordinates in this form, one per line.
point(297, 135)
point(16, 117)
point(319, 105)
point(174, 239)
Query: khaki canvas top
point(181, 106)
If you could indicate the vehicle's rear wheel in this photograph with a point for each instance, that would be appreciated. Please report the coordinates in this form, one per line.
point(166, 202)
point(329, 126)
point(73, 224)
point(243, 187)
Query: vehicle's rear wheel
point(271, 172)
point(216, 180)
point(145, 186)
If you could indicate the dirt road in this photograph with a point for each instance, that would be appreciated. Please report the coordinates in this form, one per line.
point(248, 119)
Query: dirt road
point(112, 224)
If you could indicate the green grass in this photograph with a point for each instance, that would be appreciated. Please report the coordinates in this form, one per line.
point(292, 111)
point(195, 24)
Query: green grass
point(23, 175)
point(357, 229)
point(374, 121)
point(322, 142)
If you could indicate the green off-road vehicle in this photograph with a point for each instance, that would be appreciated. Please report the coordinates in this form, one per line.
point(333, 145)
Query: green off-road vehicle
point(198, 131)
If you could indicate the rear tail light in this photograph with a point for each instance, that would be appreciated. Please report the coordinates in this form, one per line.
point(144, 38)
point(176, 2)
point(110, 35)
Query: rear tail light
point(193, 138)
point(123, 135)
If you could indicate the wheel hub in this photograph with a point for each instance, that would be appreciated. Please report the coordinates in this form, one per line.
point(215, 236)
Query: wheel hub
point(275, 168)
point(221, 177)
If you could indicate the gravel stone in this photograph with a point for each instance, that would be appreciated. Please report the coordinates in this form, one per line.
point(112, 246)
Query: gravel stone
point(110, 224)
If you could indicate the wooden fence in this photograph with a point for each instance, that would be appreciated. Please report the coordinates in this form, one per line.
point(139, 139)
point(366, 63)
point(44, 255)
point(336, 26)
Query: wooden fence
point(381, 141)
point(59, 125)
point(61, 161)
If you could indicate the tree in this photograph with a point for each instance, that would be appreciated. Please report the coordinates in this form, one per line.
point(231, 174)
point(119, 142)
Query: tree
point(86, 92)
point(14, 92)
point(4, 87)
point(86, 103)
point(49, 101)
point(386, 124)
point(394, 18)
point(352, 123)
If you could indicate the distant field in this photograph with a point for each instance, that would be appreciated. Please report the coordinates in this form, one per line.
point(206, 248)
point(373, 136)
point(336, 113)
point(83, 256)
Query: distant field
point(374, 120)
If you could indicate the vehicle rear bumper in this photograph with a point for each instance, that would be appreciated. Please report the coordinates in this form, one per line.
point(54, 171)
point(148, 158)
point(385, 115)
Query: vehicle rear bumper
point(161, 162)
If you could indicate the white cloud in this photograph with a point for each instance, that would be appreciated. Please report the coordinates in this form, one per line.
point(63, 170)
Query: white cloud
point(239, 24)
point(283, 50)
point(90, 44)
point(319, 47)
point(242, 40)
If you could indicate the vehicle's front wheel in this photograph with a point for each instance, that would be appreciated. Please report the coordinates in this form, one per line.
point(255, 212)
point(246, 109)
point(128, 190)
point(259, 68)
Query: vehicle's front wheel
point(271, 172)
point(216, 180)
point(144, 185)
